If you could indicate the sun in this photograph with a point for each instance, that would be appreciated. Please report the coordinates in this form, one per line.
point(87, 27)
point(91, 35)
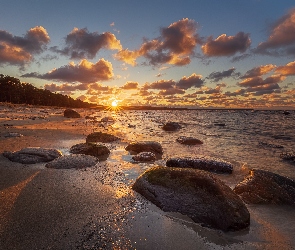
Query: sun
point(114, 103)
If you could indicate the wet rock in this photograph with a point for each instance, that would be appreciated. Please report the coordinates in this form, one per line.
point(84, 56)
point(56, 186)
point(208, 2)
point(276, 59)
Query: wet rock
point(107, 119)
point(202, 163)
point(195, 193)
point(171, 126)
point(265, 187)
point(286, 112)
point(13, 134)
point(101, 137)
point(144, 156)
point(219, 124)
point(33, 155)
point(70, 113)
point(188, 140)
point(147, 146)
point(73, 161)
point(288, 156)
point(93, 149)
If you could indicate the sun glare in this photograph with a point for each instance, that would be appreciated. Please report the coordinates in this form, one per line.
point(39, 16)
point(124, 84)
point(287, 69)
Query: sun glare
point(114, 103)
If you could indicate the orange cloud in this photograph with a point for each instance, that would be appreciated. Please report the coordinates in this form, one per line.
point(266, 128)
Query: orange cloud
point(282, 36)
point(175, 46)
point(226, 45)
point(259, 71)
point(130, 85)
point(17, 50)
point(84, 72)
point(287, 70)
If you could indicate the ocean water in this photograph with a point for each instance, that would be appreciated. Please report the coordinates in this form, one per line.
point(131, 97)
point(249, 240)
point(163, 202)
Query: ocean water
point(247, 139)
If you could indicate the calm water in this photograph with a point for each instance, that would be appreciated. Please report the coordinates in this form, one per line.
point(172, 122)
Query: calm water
point(247, 139)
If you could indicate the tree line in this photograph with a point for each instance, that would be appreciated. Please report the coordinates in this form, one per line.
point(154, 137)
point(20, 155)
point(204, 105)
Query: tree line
point(14, 91)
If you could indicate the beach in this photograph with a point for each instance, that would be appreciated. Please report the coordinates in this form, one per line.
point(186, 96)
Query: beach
point(95, 208)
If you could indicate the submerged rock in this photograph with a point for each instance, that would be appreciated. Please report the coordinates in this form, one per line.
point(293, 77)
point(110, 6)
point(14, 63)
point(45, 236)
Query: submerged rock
point(101, 137)
point(13, 134)
point(269, 145)
point(188, 140)
point(195, 193)
point(144, 156)
point(73, 161)
point(70, 113)
point(171, 126)
point(207, 164)
point(33, 155)
point(93, 149)
point(147, 146)
point(266, 188)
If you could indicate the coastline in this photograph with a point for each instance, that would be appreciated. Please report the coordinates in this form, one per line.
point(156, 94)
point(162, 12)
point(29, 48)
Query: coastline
point(95, 208)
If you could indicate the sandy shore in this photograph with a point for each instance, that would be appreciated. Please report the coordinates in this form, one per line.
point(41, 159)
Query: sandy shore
point(93, 208)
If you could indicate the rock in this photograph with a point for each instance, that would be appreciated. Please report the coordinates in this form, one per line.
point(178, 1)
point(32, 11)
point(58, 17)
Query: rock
point(73, 161)
point(171, 126)
point(101, 137)
point(144, 156)
point(265, 187)
point(188, 140)
point(107, 119)
point(13, 134)
point(202, 163)
point(288, 156)
point(286, 112)
point(33, 155)
point(147, 146)
point(70, 113)
point(219, 124)
point(90, 149)
point(195, 193)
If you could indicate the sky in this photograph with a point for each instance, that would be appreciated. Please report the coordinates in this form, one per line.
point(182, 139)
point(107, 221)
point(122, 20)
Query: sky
point(189, 53)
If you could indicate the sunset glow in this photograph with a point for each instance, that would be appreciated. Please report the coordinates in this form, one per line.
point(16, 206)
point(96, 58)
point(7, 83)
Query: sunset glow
point(197, 55)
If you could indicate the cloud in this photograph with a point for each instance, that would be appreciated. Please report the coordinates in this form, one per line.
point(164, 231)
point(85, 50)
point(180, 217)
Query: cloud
point(287, 70)
point(16, 50)
point(258, 81)
point(160, 85)
point(175, 46)
point(65, 87)
point(281, 40)
point(218, 76)
point(171, 91)
point(259, 71)
point(84, 72)
point(226, 45)
point(130, 85)
point(193, 80)
point(80, 43)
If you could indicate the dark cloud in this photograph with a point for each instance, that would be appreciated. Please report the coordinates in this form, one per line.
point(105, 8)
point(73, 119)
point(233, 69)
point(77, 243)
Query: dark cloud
point(218, 76)
point(264, 89)
point(191, 81)
point(259, 81)
point(175, 46)
point(281, 40)
point(65, 87)
point(171, 91)
point(81, 43)
point(16, 50)
point(84, 72)
point(226, 45)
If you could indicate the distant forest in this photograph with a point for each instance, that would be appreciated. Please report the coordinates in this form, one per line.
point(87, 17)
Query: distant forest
point(14, 91)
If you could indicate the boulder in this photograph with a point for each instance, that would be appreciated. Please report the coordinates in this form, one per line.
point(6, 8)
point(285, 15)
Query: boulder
point(265, 187)
point(70, 113)
point(93, 149)
point(202, 163)
point(188, 140)
point(144, 156)
point(147, 146)
point(101, 137)
point(33, 155)
point(195, 193)
point(171, 126)
point(73, 161)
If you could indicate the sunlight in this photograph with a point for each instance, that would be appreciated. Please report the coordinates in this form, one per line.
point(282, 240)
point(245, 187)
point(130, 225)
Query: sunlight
point(114, 103)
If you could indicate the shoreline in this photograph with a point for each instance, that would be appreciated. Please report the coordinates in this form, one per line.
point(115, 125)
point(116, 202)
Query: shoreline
point(95, 207)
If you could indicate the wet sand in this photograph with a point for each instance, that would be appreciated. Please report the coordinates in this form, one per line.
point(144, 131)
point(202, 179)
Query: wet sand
point(95, 208)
